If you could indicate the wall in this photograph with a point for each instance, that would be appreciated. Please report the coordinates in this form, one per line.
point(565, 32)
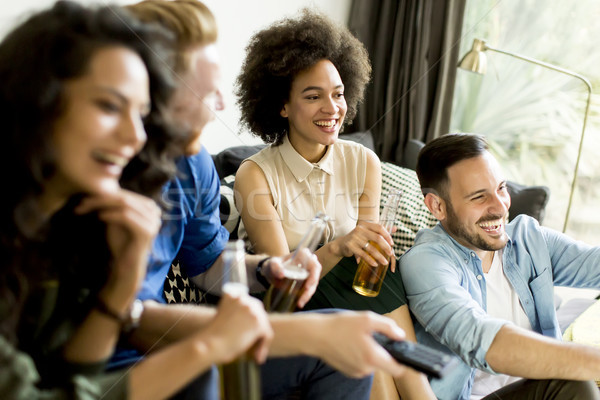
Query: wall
point(237, 20)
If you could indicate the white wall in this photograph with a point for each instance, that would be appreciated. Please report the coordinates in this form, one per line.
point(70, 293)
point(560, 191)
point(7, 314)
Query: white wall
point(238, 20)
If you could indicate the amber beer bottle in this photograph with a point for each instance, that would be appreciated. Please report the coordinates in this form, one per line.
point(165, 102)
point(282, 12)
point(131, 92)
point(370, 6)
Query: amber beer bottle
point(283, 294)
point(240, 379)
point(368, 279)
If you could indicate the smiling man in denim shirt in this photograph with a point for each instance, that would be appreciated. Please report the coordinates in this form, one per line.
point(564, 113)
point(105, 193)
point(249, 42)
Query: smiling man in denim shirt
point(483, 290)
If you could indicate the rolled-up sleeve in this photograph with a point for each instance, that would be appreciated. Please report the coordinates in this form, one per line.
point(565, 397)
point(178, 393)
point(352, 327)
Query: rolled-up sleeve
point(443, 300)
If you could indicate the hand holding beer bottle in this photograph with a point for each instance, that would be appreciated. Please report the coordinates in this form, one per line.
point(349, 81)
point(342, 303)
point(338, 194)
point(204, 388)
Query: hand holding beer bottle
point(368, 279)
point(283, 294)
point(240, 379)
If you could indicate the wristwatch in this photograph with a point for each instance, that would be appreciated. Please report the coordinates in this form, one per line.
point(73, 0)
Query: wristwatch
point(259, 275)
point(129, 320)
point(134, 316)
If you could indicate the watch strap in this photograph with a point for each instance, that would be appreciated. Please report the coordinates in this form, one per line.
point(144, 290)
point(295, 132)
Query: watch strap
point(259, 275)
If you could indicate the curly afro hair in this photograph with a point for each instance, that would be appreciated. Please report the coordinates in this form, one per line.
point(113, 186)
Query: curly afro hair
point(278, 53)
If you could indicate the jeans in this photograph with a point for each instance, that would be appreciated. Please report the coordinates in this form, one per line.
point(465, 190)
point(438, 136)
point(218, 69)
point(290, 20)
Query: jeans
point(304, 377)
point(288, 378)
point(204, 387)
point(555, 389)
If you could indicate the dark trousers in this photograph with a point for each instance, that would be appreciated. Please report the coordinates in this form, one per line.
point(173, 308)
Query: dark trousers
point(286, 379)
point(309, 378)
point(547, 389)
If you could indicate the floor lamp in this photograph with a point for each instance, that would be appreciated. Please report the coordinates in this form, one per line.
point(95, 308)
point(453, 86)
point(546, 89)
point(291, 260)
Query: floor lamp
point(475, 61)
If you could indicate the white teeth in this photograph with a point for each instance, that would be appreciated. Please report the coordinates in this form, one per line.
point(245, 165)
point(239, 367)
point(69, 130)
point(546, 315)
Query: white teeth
point(328, 124)
point(111, 158)
point(491, 224)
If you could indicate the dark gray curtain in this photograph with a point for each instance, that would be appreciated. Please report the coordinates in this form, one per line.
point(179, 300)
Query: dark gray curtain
point(413, 46)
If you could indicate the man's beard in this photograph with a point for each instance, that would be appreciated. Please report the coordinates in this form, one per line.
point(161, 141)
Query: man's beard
point(459, 231)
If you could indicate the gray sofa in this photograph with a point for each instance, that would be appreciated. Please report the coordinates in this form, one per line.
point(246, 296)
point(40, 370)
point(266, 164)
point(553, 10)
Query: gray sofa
point(412, 217)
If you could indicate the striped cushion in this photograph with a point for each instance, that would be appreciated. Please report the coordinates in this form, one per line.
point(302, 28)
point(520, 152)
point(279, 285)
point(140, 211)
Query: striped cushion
point(413, 214)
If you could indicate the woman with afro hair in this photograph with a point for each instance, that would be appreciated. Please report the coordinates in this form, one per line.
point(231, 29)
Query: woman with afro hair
point(300, 83)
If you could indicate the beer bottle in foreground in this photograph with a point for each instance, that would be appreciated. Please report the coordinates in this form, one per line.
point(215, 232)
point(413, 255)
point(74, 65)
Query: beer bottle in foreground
point(283, 294)
point(368, 279)
point(240, 379)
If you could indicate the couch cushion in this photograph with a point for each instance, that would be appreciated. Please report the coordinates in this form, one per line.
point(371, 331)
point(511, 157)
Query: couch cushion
point(529, 200)
point(228, 161)
point(413, 213)
point(230, 217)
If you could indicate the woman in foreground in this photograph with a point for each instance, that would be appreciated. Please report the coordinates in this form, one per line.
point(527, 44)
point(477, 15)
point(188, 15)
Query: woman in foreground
point(77, 85)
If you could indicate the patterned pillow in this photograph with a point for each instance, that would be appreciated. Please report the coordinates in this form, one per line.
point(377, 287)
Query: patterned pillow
point(178, 288)
point(413, 213)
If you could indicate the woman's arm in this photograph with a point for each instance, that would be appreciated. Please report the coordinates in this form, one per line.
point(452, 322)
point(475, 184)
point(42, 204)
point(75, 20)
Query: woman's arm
point(367, 229)
point(411, 385)
point(168, 370)
point(255, 203)
point(132, 223)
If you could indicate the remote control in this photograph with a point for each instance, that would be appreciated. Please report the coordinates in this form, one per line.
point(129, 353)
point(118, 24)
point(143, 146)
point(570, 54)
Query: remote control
point(417, 356)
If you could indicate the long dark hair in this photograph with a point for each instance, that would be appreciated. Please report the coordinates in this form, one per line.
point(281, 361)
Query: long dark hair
point(36, 58)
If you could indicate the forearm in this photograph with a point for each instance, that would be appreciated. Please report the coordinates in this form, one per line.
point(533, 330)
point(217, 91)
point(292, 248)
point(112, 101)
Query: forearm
point(329, 255)
point(212, 279)
point(414, 386)
point(164, 324)
point(293, 332)
point(168, 371)
point(519, 352)
point(94, 340)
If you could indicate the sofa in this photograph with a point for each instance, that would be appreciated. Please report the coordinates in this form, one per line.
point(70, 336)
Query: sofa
point(413, 215)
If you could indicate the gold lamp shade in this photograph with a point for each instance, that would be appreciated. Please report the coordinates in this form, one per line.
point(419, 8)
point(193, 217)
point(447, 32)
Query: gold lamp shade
point(475, 60)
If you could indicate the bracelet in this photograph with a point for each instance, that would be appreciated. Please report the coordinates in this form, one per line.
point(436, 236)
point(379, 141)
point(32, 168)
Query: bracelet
point(259, 275)
point(131, 318)
point(104, 309)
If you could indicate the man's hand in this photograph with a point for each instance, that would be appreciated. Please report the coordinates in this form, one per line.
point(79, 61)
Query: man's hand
point(241, 324)
point(273, 270)
point(343, 340)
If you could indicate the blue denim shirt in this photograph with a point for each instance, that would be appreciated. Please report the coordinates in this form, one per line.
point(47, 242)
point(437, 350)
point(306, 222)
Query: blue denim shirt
point(446, 291)
point(191, 231)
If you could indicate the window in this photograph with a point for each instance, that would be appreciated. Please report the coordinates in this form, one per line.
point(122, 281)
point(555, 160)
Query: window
point(533, 116)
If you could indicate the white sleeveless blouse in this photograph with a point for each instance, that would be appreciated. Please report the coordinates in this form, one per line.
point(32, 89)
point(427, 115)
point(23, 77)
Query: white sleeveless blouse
point(301, 189)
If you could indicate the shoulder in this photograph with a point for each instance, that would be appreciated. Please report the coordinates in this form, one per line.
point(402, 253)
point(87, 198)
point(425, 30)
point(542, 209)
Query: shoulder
point(250, 176)
point(199, 167)
point(432, 248)
point(263, 156)
point(523, 225)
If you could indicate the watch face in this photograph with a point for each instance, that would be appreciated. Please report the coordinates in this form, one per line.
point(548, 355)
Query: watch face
point(137, 309)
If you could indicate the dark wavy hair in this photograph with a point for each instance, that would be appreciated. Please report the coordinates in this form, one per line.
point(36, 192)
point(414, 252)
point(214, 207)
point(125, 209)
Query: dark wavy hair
point(36, 59)
point(278, 53)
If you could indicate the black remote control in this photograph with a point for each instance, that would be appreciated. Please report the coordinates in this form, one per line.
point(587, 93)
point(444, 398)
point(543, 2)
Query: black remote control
point(417, 356)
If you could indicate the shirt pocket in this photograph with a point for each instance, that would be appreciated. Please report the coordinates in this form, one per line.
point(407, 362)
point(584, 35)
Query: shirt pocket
point(542, 290)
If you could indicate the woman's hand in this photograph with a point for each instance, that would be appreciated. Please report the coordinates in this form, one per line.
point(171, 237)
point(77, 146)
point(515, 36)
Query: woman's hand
point(273, 270)
point(355, 244)
point(132, 223)
point(241, 325)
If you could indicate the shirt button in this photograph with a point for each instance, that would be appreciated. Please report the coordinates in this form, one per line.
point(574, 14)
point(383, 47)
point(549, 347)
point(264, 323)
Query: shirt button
point(472, 254)
point(479, 277)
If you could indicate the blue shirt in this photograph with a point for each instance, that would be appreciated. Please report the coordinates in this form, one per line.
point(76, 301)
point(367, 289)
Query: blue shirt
point(191, 231)
point(446, 291)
